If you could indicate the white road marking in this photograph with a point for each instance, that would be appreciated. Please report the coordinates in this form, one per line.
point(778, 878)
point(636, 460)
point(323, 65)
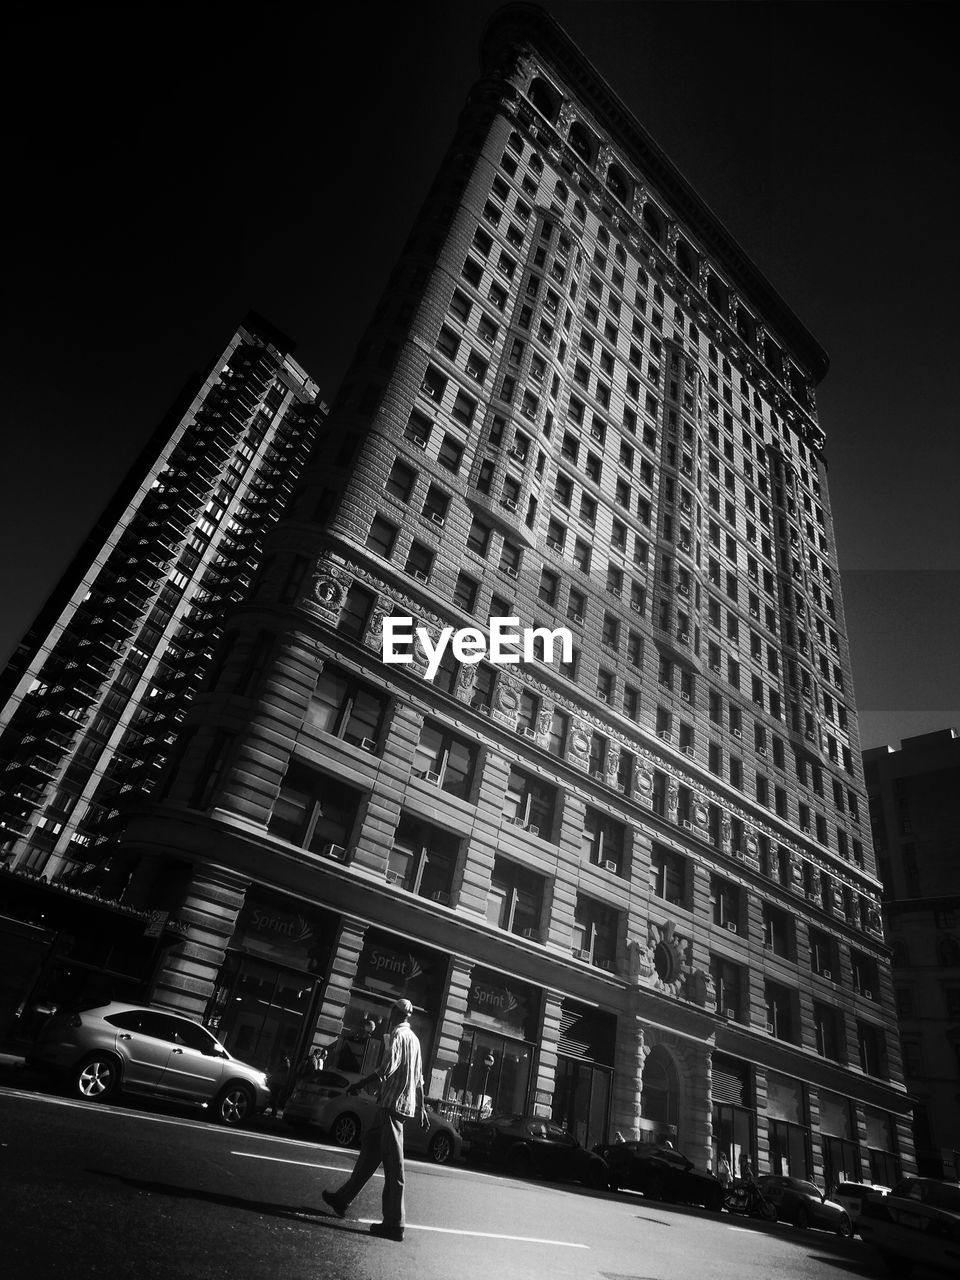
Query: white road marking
point(308, 1164)
point(483, 1235)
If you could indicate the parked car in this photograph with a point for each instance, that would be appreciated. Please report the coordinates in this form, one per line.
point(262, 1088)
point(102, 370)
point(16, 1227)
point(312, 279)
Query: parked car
point(804, 1204)
point(105, 1048)
point(851, 1196)
point(532, 1145)
point(917, 1224)
point(322, 1100)
point(661, 1173)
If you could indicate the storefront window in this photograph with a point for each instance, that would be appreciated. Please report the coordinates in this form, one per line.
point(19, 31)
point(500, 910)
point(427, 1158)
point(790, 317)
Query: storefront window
point(788, 1132)
point(495, 1061)
point(586, 1046)
point(841, 1152)
point(882, 1148)
point(734, 1118)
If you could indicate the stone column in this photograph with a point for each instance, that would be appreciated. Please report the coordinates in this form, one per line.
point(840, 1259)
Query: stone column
point(450, 1027)
point(187, 975)
point(546, 1077)
point(343, 973)
point(631, 1051)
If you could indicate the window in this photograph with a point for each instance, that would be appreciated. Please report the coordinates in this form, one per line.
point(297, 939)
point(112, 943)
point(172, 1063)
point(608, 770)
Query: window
point(356, 612)
point(401, 480)
point(436, 505)
point(595, 930)
point(444, 760)
point(530, 803)
point(382, 536)
point(727, 983)
point(559, 732)
point(478, 539)
point(668, 875)
point(778, 931)
point(346, 708)
point(725, 904)
point(419, 561)
point(581, 555)
point(465, 592)
point(423, 859)
point(603, 840)
point(827, 1033)
point(418, 429)
point(464, 407)
point(515, 900)
point(451, 454)
point(780, 1011)
point(315, 811)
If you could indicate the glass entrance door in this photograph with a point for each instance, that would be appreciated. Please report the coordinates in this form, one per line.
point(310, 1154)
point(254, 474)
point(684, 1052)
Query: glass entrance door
point(258, 1010)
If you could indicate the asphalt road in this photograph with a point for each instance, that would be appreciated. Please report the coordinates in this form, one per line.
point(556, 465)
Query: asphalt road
point(112, 1191)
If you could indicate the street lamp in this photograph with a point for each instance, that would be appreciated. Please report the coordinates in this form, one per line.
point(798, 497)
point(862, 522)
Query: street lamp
point(488, 1062)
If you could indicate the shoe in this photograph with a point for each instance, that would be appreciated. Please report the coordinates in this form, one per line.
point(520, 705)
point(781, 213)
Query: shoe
point(386, 1232)
point(331, 1201)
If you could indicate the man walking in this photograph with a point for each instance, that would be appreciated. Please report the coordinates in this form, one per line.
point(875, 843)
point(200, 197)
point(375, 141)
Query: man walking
point(400, 1097)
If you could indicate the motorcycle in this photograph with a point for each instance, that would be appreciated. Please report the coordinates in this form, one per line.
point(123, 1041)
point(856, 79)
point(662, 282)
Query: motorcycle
point(746, 1198)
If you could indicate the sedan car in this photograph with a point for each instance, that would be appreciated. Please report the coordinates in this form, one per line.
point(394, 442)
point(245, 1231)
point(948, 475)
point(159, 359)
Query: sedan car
point(917, 1224)
point(661, 1173)
point(804, 1204)
point(105, 1048)
point(532, 1145)
point(851, 1196)
point(321, 1100)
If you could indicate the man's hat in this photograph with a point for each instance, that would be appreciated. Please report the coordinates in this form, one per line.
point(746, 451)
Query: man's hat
point(403, 1006)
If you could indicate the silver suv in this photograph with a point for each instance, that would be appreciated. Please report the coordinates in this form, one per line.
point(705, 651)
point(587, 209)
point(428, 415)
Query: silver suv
point(148, 1051)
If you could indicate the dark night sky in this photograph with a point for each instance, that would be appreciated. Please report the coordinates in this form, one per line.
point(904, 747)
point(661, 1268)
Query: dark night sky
point(169, 170)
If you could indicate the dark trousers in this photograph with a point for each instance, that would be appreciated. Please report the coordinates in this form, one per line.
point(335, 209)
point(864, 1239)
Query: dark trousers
point(382, 1144)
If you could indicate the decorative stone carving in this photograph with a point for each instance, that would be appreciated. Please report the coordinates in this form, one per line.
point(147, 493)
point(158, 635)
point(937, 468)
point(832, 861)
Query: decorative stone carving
point(673, 235)
point(640, 198)
point(506, 701)
point(326, 593)
point(604, 157)
point(566, 118)
point(670, 957)
point(544, 721)
point(726, 833)
point(699, 988)
point(466, 681)
point(673, 798)
point(579, 753)
point(703, 275)
point(640, 968)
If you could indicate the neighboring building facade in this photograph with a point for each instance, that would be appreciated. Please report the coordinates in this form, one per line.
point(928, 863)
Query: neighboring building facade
point(916, 831)
point(632, 888)
point(92, 699)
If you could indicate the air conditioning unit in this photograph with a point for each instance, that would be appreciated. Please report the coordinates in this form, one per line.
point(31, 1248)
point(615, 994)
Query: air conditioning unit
point(419, 441)
point(621, 788)
point(510, 571)
point(825, 973)
point(555, 544)
point(603, 695)
point(533, 829)
point(664, 735)
point(509, 503)
point(335, 851)
point(604, 964)
point(430, 776)
point(770, 1028)
point(518, 453)
point(367, 744)
point(730, 1013)
point(483, 708)
point(609, 865)
point(736, 733)
point(685, 822)
point(437, 518)
point(441, 896)
point(867, 993)
point(395, 877)
point(576, 618)
point(579, 953)
point(531, 933)
point(527, 732)
point(419, 575)
point(684, 696)
point(732, 926)
point(598, 774)
point(635, 607)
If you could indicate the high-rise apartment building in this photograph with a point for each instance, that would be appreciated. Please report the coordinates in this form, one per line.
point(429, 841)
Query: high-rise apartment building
point(916, 831)
point(93, 697)
point(628, 883)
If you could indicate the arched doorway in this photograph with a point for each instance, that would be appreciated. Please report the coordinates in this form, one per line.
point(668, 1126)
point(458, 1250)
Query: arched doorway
point(660, 1096)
